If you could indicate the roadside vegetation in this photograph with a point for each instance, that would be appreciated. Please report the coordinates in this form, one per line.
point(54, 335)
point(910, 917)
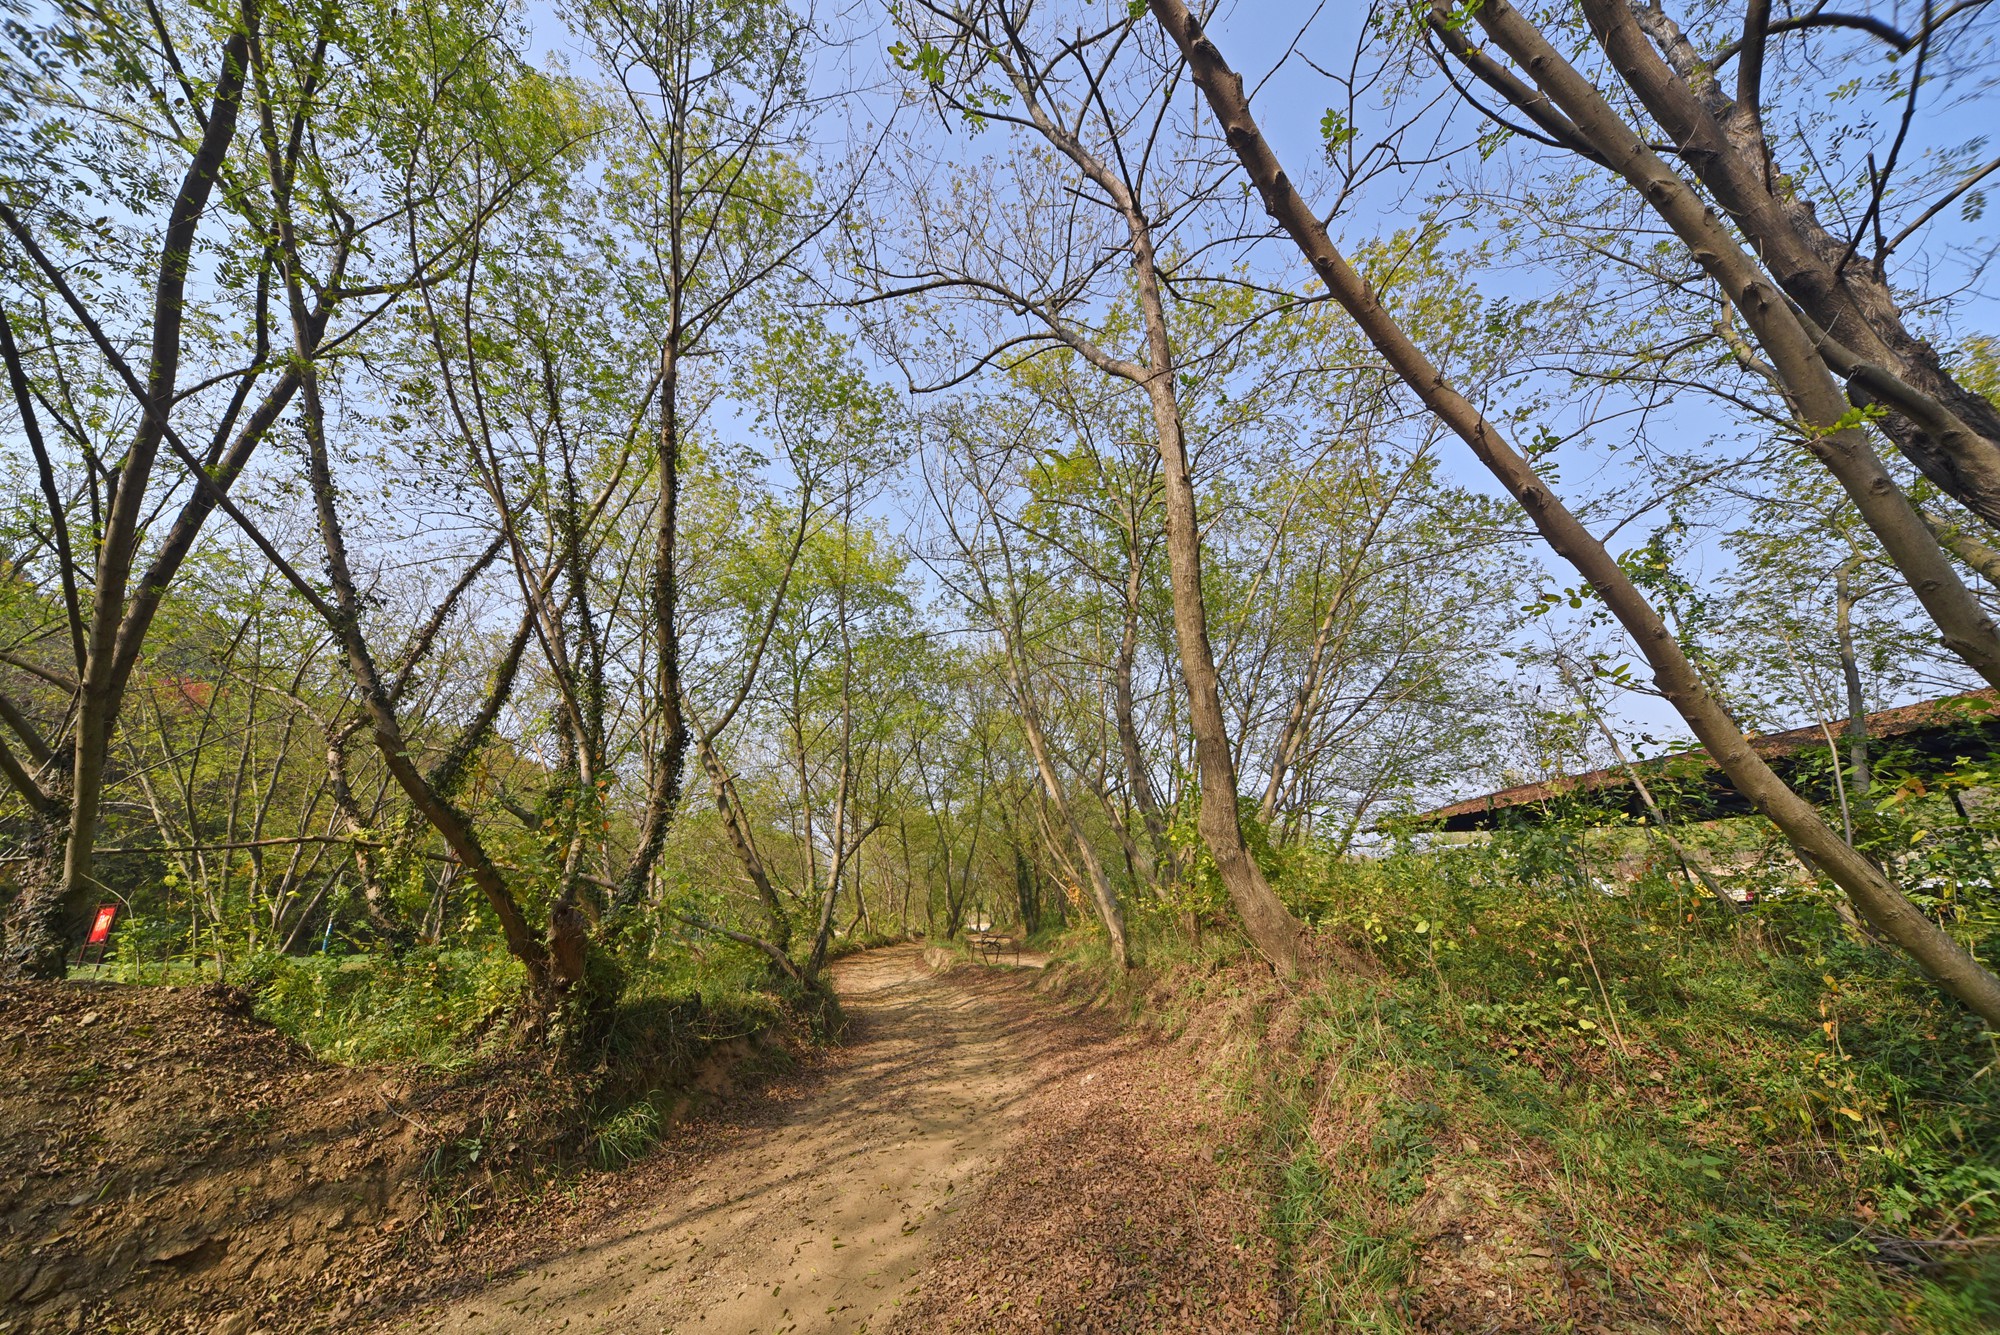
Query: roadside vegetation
point(526, 532)
point(1561, 1106)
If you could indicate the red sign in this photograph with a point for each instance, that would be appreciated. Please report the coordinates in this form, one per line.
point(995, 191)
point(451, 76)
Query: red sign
point(100, 929)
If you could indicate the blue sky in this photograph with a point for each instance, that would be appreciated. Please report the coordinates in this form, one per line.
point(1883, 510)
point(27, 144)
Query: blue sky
point(1277, 46)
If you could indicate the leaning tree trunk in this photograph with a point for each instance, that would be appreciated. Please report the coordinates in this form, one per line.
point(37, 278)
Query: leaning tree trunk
point(745, 849)
point(37, 944)
point(1891, 912)
point(1795, 346)
point(1101, 892)
point(1950, 432)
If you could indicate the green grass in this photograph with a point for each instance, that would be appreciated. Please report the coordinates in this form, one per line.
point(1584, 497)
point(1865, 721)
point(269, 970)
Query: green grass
point(1636, 1109)
point(432, 1007)
point(626, 1135)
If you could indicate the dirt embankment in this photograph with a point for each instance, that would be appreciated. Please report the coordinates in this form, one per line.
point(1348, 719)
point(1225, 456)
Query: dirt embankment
point(975, 1157)
point(172, 1164)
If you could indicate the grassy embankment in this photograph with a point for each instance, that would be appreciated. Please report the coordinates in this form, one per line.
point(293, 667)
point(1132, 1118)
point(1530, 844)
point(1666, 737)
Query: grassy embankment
point(690, 1017)
point(1565, 1107)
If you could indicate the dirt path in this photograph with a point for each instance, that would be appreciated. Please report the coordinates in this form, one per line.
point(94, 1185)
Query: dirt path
point(819, 1221)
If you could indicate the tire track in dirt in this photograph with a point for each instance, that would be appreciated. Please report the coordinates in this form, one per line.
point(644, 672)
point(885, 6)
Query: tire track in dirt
point(820, 1220)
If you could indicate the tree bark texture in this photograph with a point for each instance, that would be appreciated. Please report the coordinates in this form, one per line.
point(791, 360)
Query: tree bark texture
point(37, 943)
point(1823, 410)
point(1269, 923)
point(1722, 141)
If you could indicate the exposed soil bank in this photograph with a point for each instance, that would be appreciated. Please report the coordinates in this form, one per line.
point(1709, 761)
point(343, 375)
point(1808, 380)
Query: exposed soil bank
point(172, 1165)
point(976, 1156)
point(169, 1163)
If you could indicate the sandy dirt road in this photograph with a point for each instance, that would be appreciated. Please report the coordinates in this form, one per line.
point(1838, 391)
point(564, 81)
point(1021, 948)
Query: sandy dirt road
point(820, 1221)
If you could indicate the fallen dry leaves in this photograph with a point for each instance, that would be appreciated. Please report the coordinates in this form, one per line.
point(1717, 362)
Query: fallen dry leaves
point(1112, 1214)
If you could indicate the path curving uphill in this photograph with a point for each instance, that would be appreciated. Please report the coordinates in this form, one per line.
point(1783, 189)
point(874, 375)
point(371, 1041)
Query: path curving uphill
point(820, 1221)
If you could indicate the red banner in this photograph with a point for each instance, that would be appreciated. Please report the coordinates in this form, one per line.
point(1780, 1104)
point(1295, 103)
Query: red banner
point(100, 929)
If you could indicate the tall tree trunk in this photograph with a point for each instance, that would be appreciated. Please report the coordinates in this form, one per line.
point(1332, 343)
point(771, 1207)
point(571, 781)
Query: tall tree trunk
point(1027, 895)
point(829, 899)
point(745, 848)
point(1160, 867)
point(1955, 969)
point(843, 792)
point(1850, 672)
point(37, 943)
point(1270, 924)
point(666, 774)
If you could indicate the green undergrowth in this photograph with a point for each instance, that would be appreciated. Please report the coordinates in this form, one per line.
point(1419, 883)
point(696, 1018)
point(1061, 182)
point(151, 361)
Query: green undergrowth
point(444, 1007)
point(1562, 1108)
point(438, 1008)
point(856, 942)
point(686, 1025)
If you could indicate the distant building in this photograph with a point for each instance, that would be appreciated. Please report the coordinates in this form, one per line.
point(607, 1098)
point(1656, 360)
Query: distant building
point(1923, 739)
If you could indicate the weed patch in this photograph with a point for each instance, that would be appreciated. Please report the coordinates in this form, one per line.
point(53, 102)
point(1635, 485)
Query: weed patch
point(1566, 1108)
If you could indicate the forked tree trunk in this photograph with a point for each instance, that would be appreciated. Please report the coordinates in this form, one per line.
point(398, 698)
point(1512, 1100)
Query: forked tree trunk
point(554, 966)
point(1950, 432)
point(37, 943)
point(1269, 923)
point(1793, 346)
